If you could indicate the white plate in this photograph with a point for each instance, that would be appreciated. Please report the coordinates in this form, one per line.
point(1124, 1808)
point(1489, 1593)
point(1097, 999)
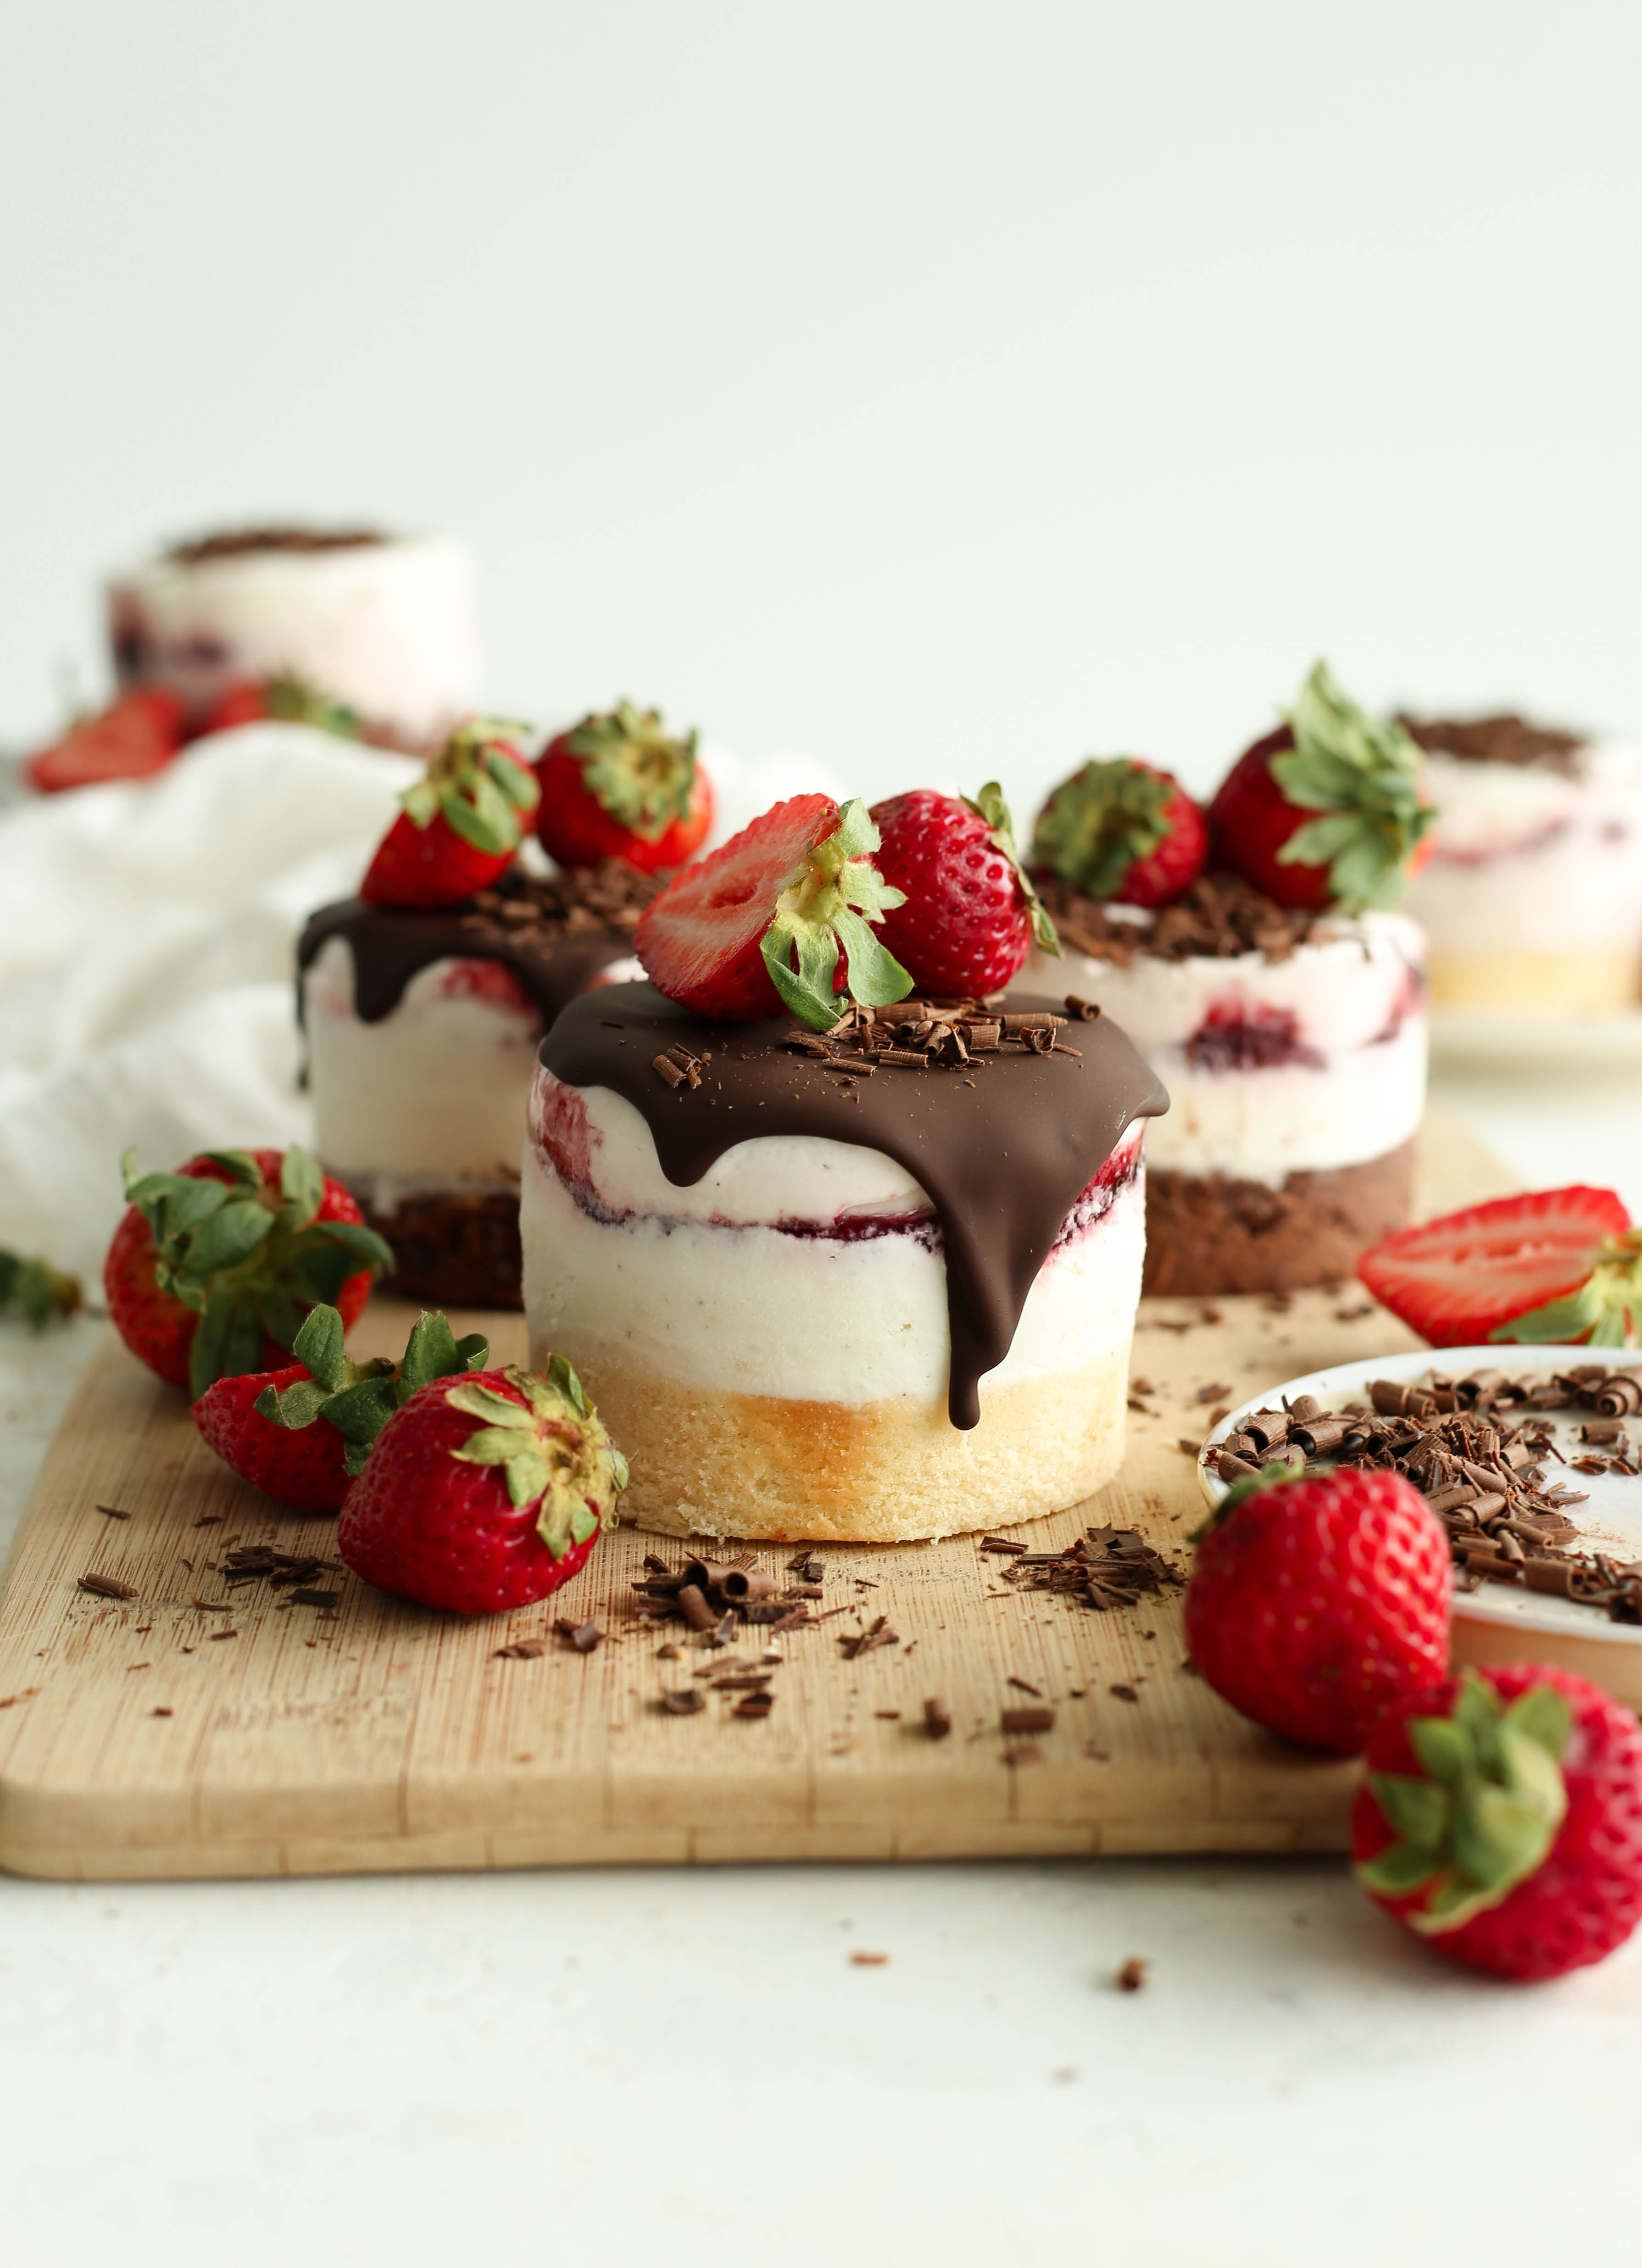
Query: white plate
point(1609, 1520)
point(1495, 1036)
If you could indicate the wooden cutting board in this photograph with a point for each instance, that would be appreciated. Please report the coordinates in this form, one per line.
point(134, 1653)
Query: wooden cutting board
point(152, 1737)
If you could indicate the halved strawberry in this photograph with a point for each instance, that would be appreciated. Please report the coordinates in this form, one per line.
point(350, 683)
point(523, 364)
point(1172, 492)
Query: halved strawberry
point(1488, 1272)
point(621, 786)
point(461, 825)
point(134, 737)
point(1121, 829)
point(1326, 809)
point(761, 922)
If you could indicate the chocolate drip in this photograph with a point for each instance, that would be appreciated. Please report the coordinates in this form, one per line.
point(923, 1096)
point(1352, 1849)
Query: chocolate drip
point(1003, 1159)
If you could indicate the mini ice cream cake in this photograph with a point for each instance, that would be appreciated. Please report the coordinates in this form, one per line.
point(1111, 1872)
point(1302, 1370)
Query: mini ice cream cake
point(1278, 998)
point(424, 1000)
point(1532, 901)
point(387, 625)
point(868, 1274)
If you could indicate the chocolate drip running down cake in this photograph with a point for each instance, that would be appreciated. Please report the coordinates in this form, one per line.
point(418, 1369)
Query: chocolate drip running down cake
point(422, 1028)
point(387, 625)
point(1294, 1046)
point(1532, 898)
point(877, 1283)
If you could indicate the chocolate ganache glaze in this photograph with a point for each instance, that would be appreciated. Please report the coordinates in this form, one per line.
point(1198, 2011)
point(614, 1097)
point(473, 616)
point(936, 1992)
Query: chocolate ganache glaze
point(1004, 1146)
point(555, 933)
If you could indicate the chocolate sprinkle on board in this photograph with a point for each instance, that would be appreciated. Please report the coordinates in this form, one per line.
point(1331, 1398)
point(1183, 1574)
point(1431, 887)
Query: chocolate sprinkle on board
point(937, 1718)
point(1106, 1567)
point(581, 1637)
point(1132, 1976)
point(107, 1586)
point(1027, 1720)
point(522, 1649)
point(113, 1511)
point(315, 1598)
point(1476, 1448)
point(683, 1700)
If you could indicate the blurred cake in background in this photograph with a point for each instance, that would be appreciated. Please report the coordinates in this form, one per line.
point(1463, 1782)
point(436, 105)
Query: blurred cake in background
point(1257, 963)
point(387, 626)
point(1532, 898)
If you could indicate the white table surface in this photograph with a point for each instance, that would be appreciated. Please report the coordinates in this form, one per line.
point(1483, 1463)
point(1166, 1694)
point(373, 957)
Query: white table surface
point(662, 2066)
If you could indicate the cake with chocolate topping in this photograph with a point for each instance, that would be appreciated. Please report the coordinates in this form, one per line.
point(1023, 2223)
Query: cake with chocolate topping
point(424, 1000)
point(867, 1269)
point(385, 625)
point(1278, 997)
point(1532, 899)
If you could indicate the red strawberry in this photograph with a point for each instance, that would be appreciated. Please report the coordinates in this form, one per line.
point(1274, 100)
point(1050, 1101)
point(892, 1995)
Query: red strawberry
point(215, 1265)
point(302, 1432)
point(1326, 810)
point(287, 699)
point(1319, 1601)
point(1121, 829)
point(134, 737)
point(1488, 1272)
point(621, 787)
point(461, 825)
point(796, 885)
point(967, 916)
point(485, 1494)
point(1501, 1819)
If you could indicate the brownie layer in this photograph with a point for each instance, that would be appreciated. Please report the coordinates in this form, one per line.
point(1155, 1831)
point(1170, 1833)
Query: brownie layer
point(453, 1248)
point(1211, 1233)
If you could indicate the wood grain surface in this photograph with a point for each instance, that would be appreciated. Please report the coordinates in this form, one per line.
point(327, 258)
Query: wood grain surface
point(152, 1736)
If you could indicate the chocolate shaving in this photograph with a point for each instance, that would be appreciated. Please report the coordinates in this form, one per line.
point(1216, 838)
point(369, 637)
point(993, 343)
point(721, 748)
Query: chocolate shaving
point(1220, 917)
point(1132, 1976)
point(1026, 1720)
point(582, 1638)
point(1106, 1567)
point(937, 1718)
point(683, 1700)
point(307, 1598)
point(522, 1649)
point(107, 1586)
point(113, 1511)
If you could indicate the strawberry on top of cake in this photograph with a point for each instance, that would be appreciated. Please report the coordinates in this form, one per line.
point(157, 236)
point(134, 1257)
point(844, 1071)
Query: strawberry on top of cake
point(1253, 955)
point(843, 1249)
point(426, 997)
point(1532, 898)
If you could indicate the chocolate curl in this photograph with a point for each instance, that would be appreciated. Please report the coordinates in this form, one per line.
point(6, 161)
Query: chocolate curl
point(692, 1604)
point(733, 1585)
point(1618, 1396)
point(1267, 1427)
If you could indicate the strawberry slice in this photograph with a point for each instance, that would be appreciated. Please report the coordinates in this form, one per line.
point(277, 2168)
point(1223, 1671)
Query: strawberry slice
point(136, 736)
point(461, 825)
point(1554, 1267)
point(764, 920)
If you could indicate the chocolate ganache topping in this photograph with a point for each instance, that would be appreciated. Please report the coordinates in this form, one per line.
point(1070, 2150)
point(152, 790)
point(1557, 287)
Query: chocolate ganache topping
point(1003, 1143)
point(555, 933)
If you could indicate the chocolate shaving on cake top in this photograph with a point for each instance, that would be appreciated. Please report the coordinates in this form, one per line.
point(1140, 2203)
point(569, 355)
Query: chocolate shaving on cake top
point(554, 932)
point(237, 542)
point(1004, 1139)
point(1218, 918)
point(1484, 1472)
point(1504, 739)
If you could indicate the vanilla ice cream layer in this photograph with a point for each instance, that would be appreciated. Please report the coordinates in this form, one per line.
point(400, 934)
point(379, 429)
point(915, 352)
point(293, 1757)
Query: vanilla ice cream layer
point(698, 1284)
point(432, 1096)
point(392, 629)
point(1273, 1066)
point(1531, 859)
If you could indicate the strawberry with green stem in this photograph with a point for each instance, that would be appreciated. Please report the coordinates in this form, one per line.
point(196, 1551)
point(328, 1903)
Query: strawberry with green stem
point(780, 916)
point(282, 699)
point(1326, 810)
point(486, 1493)
point(622, 786)
point(301, 1433)
point(1121, 829)
point(1500, 1820)
point(965, 914)
point(461, 825)
point(215, 1265)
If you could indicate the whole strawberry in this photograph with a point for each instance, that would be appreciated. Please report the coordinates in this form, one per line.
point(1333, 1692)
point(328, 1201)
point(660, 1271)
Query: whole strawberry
point(1553, 1267)
point(285, 700)
point(1121, 829)
point(136, 736)
point(300, 1433)
point(967, 916)
point(621, 786)
point(484, 1494)
point(1326, 810)
point(214, 1266)
point(1318, 1601)
point(461, 825)
point(778, 916)
point(1501, 1819)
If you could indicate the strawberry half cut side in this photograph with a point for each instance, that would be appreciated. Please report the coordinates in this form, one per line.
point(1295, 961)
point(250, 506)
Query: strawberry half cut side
point(763, 922)
point(1119, 829)
point(1553, 1266)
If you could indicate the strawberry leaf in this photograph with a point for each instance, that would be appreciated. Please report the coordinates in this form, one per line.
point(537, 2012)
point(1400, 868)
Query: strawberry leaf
point(301, 1183)
point(294, 1407)
point(227, 1343)
point(836, 880)
point(1365, 771)
point(635, 769)
point(232, 1234)
point(318, 1347)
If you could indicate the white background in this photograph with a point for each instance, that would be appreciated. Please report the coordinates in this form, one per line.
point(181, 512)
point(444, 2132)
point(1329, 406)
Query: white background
point(938, 389)
point(933, 387)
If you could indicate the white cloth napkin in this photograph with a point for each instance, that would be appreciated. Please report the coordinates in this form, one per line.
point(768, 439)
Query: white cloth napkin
point(147, 960)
